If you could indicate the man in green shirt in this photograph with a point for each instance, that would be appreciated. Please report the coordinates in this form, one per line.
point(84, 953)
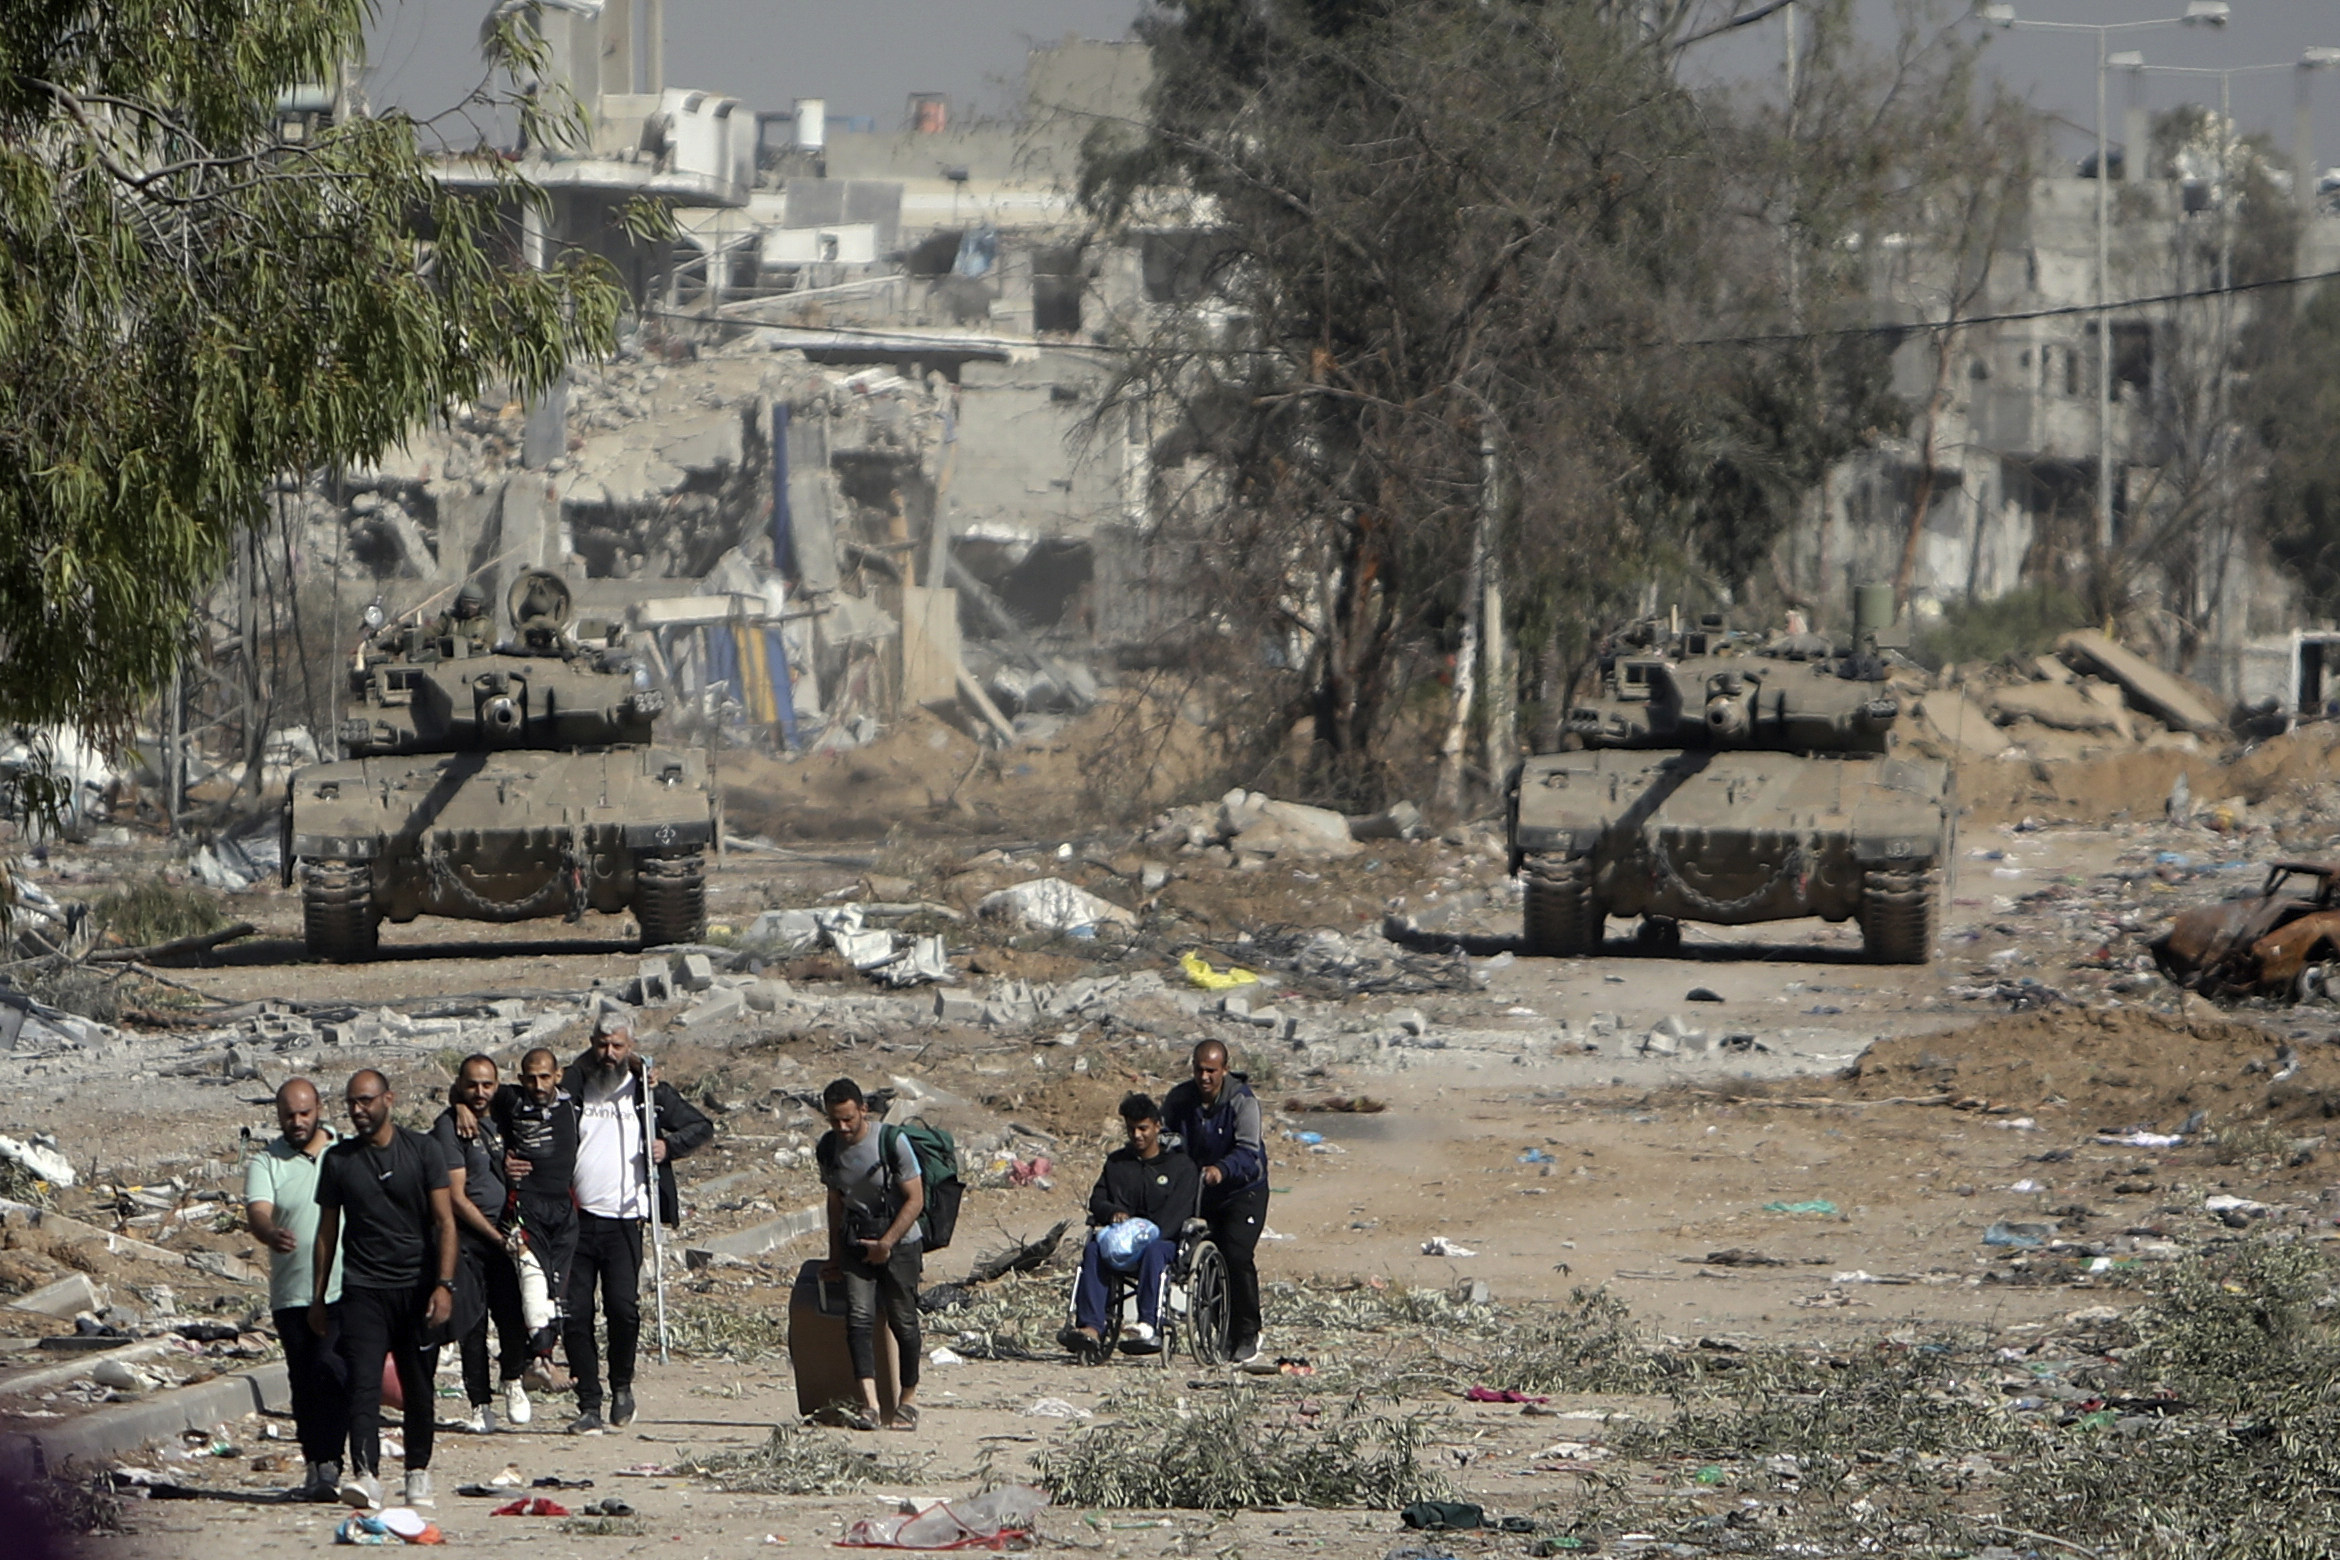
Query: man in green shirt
point(280, 1203)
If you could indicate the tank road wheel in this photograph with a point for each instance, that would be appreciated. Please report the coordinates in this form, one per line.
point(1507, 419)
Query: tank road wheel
point(1897, 916)
point(337, 911)
point(670, 898)
point(1564, 920)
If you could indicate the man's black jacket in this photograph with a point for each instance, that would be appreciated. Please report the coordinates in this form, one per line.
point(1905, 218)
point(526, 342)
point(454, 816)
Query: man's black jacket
point(1166, 1189)
point(682, 1127)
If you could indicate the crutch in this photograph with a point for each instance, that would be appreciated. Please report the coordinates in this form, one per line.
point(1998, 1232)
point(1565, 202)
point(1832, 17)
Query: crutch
point(650, 1193)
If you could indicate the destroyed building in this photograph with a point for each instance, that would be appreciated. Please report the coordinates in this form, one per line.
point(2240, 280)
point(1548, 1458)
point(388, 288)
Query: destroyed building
point(1998, 489)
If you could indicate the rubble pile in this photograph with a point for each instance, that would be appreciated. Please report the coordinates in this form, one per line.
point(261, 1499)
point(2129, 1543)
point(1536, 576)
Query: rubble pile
point(2090, 698)
point(1248, 830)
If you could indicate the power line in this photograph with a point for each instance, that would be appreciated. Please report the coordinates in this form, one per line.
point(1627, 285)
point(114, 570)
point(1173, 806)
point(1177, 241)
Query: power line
point(2009, 317)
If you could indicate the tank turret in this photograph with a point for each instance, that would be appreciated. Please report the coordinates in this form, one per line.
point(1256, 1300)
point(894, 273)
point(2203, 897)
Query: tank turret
point(1737, 702)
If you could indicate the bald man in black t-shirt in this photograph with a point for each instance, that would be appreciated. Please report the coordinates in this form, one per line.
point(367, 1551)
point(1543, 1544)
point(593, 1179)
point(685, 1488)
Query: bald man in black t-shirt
point(383, 1204)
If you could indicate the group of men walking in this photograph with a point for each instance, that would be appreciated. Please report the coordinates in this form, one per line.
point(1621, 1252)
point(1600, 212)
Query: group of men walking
point(521, 1211)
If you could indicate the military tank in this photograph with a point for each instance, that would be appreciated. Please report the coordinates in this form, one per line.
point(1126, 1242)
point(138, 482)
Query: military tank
point(514, 782)
point(1731, 788)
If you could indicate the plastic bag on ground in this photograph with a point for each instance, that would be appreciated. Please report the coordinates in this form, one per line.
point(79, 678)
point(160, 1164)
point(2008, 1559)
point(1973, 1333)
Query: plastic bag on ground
point(985, 1521)
point(1199, 971)
point(1053, 905)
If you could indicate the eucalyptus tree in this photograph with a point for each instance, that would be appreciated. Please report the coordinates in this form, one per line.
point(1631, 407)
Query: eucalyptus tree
point(195, 300)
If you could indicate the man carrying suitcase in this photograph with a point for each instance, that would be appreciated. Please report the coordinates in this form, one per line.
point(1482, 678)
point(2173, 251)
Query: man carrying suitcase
point(875, 1198)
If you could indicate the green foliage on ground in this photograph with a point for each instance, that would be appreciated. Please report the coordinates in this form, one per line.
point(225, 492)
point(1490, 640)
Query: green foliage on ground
point(2025, 622)
point(152, 911)
point(1153, 1448)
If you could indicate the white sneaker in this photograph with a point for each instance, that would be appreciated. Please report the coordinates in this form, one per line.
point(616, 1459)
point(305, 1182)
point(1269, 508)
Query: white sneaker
point(361, 1490)
point(516, 1406)
point(1143, 1332)
point(476, 1421)
point(418, 1489)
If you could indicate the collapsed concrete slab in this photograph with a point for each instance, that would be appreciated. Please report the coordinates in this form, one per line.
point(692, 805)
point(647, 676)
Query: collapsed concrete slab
point(2167, 697)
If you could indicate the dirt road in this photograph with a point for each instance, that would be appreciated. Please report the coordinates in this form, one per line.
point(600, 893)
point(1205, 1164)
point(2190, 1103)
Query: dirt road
point(1759, 1141)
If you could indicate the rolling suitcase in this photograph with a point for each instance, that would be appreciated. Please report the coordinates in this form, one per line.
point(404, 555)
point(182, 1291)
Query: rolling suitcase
point(817, 1352)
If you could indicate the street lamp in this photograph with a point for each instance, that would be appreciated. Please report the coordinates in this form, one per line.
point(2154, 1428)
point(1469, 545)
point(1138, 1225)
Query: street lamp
point(2198, 13)
point(2303, 131)
point(2310, 60)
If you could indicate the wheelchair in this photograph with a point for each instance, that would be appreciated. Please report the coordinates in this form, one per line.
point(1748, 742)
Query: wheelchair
point(1196, 1312)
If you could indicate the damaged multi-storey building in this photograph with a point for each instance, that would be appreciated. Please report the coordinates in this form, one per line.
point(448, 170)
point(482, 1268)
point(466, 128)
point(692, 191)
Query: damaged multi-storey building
point(848, 455)
point(1994, 483)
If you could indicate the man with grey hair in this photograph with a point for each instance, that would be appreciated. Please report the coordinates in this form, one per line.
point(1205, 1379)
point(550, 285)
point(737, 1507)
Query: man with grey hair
point(630, 1128)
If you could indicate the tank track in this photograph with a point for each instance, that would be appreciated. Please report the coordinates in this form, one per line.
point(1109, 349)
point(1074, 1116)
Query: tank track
point(670, 897)
point(1563, 919)
point(1897, 916)
point(337, 911)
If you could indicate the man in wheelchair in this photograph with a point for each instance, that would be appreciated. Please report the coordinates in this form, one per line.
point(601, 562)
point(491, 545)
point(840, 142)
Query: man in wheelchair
point(1143, 1187)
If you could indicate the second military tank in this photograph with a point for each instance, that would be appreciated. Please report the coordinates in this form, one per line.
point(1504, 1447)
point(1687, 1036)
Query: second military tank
point(502, 782)
point(1731, 788)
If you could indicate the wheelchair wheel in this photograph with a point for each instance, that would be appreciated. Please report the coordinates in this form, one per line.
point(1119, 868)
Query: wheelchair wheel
point(1207, 1306)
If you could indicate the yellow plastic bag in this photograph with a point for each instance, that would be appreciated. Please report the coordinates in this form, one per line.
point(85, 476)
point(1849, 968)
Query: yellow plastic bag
point(1198, 970)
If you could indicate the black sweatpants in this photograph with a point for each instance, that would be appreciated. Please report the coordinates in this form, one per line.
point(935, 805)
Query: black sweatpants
point(377, 1324)
point(551, 1224)
point(609, 1258)
point(486, 1289)
point(1235, 1227)
point(491, 1269)
point(319, 1381)
point(893, 1289)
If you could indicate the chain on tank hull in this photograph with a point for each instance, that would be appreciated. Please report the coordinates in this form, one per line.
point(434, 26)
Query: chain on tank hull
point(503, 837)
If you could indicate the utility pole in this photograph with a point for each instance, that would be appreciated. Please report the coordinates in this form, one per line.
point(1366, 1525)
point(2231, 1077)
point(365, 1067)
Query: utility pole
point(1502, 686)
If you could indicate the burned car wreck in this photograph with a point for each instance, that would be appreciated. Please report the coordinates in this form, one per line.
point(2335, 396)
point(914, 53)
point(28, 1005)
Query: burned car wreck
point(2282, 942)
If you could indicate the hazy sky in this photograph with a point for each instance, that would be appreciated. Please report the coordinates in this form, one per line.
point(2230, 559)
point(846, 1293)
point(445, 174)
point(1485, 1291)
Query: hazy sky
point(866, 56)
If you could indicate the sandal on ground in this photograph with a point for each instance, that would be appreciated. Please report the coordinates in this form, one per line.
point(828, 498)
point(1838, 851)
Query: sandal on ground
point(855, 1418)
point(905, 1417)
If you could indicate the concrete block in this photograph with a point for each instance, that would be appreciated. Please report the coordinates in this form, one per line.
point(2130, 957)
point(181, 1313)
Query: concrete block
point(766, 996)
point(164, 1416)
point(1411, 1021)
point(234, 1269)
point(715, 1007)
point(1235, 1005)
point(694, 972)
point(1402, 821)
point(1658, 1043)
point(957, 1007)
point(65, 1299)
point(1264, 1018)
point(757, 1239)
point(654, 984)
